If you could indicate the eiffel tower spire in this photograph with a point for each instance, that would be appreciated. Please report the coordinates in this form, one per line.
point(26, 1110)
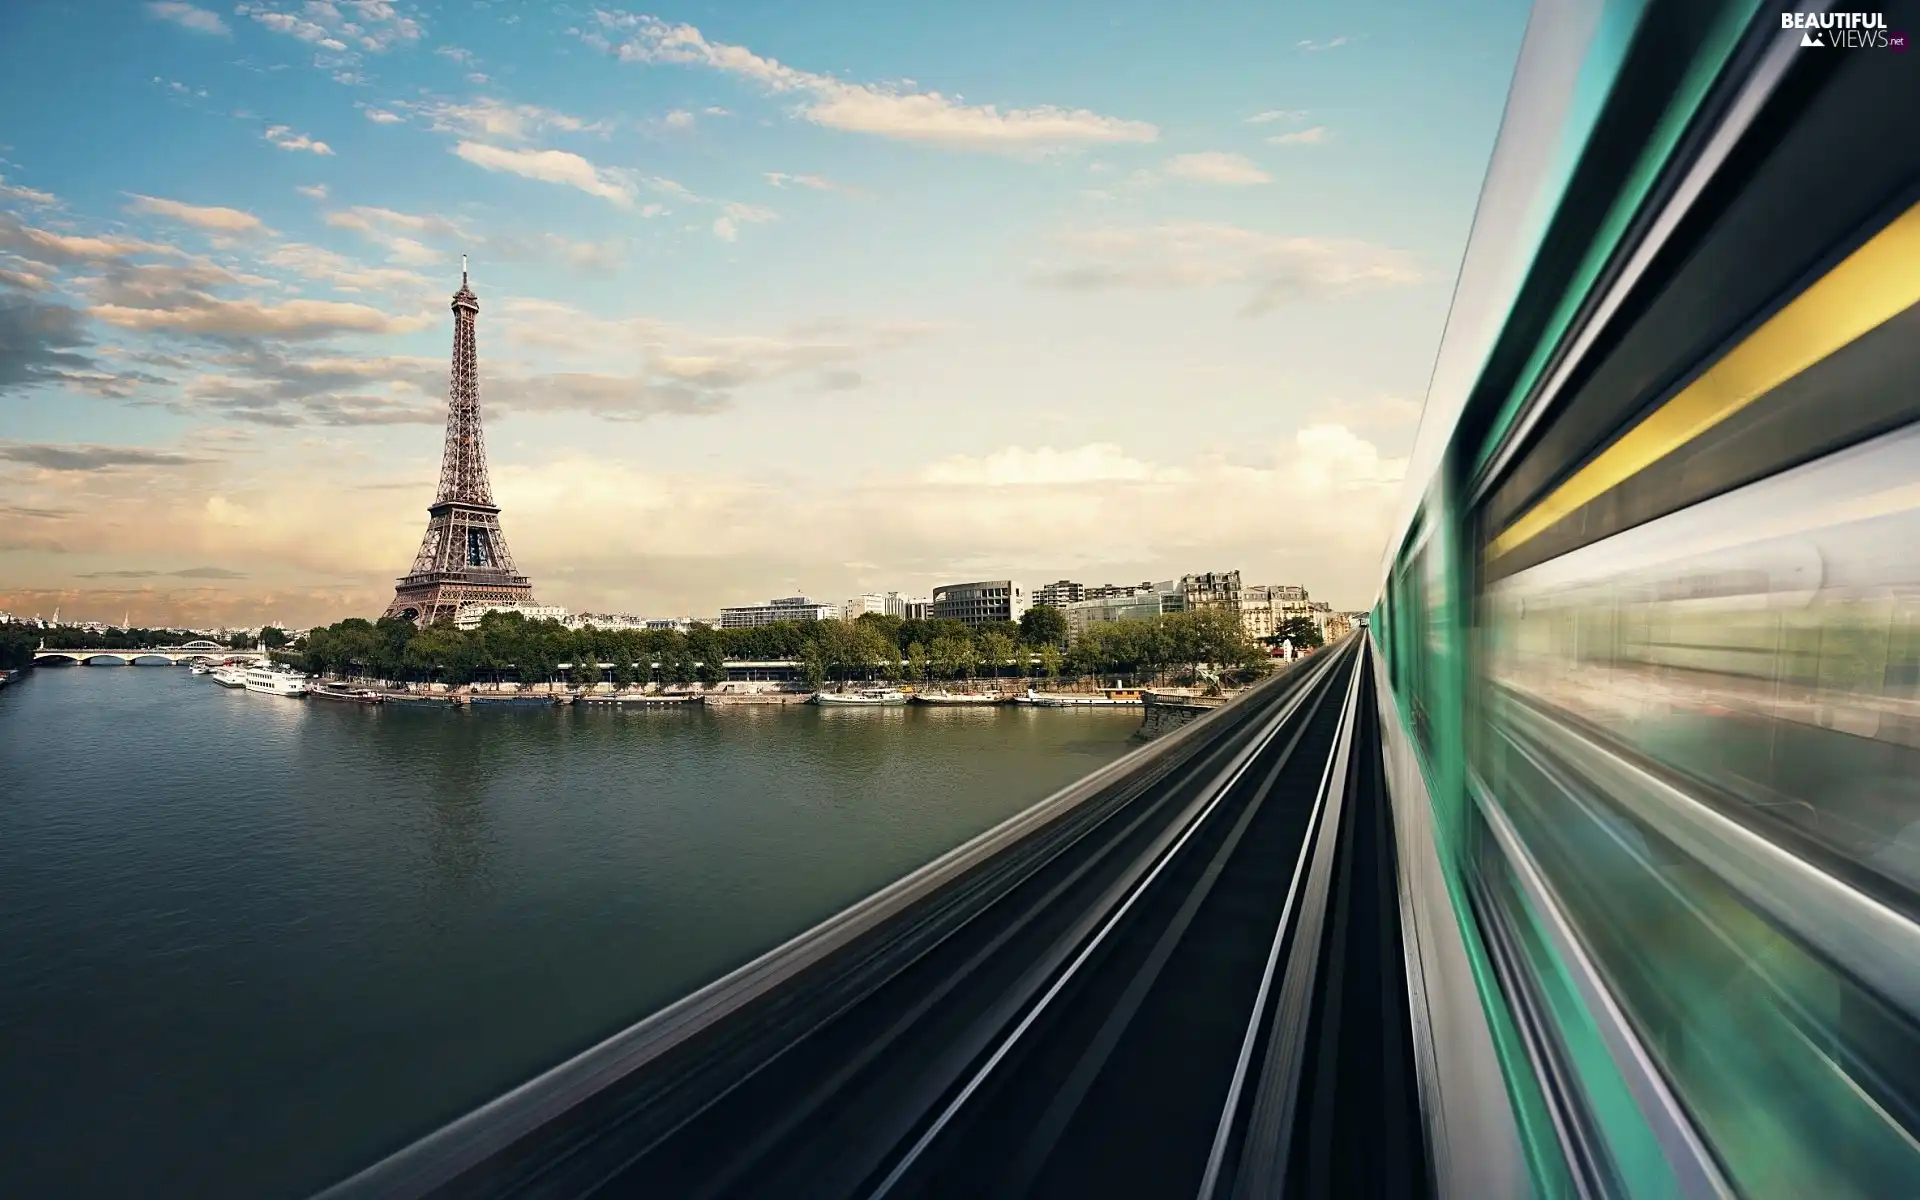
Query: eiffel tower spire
point(463, 557)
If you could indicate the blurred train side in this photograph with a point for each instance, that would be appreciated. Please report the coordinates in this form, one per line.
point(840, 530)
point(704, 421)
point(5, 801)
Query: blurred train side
point(1650, 626)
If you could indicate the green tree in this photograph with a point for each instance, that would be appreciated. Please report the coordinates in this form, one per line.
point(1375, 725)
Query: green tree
point(813, 667)
point(1043, 625)
point(1050, 660)
point(995, 649)
point(586, 662)
point(1305, 635)
point(709, 649)
point(952, 657)
point(272, 638)
point(16, 647)
point(886, 626)
point(874, 645)
point(916, 661)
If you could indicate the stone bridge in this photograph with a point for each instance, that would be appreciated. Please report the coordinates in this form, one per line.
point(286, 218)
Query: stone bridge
point(201, 651)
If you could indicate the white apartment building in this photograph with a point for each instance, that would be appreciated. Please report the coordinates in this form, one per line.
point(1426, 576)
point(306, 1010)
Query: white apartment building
point(1215, 589)
point(859, 606)
point(1143, 604)
point(787, 608)
point(979, 603)
point(606, 621)
point(1257, 618)
point(916, 608)
point(1059, 594)
point(467, 616)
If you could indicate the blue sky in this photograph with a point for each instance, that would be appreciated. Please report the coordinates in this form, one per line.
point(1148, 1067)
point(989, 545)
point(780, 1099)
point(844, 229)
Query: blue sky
point(773, 298)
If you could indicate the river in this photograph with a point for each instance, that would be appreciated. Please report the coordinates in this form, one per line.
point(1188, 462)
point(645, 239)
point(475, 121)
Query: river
point(248, 945)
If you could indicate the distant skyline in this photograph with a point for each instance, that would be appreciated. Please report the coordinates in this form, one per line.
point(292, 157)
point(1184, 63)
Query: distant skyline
point(772, 301)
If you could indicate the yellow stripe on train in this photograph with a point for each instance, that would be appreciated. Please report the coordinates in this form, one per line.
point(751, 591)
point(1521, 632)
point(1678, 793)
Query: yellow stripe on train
point(1869, 287)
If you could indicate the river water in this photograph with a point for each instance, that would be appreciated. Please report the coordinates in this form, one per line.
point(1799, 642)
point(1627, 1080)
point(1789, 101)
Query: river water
point(248, 945)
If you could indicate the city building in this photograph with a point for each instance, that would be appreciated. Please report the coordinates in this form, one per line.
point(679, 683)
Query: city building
point(787, 608)
point(1144, 603)
point(1059, 595)
point(1257, 617)
point(1266, 608)
point(1282, 592)
point(897, 605)
point(1215, 589)
point(859, 606)
point(468, 615)
point(608, 621)
point(917, 608)
point(979, 603)
point(1066, 591)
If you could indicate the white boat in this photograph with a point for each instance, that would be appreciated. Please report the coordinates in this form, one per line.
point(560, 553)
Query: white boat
point(1110, 698)
point(863, 696)
point(199, 669)
point(271, 679)
point(231, 675)
point(957, 698)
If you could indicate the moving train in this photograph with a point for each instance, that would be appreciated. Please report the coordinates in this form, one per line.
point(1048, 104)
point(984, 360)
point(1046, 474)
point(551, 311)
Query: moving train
point(1649, 627)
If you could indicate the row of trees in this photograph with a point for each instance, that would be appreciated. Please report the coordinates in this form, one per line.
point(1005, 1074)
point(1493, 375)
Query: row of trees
point(872, 647)
point(16, 647)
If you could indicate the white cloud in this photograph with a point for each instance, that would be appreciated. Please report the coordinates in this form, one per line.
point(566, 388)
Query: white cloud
point(380, 116)
point(1181, 255)
point(1277, 114)
point(1308, 44)
point(726, 227)
point(188, 16)
point(550, 166)
point(1318, 135)
point(1095, 463)
point(679, 118)
point(1033, 511)
point(247, 318)
point(212, 218)
point(313, 191)
point(497, 120)
point(284, 137)
point(26, 281)
point(395, 230)
point(463, 57)
point(46, 246)
point(885, 110)
point(26, 195)
point(781, 179)
point(1216, 167)
point(342, 273)
point(344, 27)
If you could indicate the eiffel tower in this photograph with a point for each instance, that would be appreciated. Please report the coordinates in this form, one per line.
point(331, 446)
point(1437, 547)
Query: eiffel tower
point(463, 557)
